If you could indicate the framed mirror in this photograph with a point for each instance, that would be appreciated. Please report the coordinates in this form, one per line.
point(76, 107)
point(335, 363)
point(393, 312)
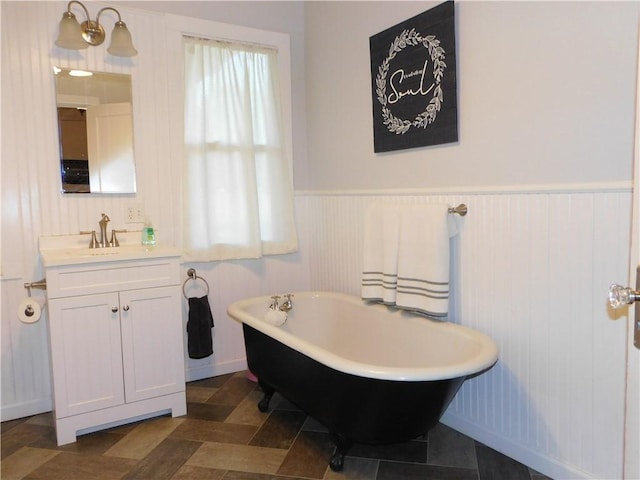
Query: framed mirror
point(95, 131)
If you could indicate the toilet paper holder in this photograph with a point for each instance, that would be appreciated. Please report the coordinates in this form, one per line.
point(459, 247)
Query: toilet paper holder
point(41, 284)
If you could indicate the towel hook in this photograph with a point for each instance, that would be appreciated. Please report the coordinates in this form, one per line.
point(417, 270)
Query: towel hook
point(192, 274)
point(460, 209)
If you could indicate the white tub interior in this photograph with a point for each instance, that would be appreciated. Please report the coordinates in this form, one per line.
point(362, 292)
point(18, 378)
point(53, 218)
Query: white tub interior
point(349, 335)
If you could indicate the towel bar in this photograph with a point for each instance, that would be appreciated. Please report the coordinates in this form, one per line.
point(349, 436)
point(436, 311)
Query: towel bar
point(460, 210)
point(191, 273)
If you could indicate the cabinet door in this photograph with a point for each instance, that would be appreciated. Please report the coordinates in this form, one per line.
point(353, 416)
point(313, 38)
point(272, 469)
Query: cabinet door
point(152, 342)
point(86, 353)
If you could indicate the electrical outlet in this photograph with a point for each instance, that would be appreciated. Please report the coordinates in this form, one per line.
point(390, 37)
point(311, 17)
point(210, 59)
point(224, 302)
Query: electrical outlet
point(134, 214)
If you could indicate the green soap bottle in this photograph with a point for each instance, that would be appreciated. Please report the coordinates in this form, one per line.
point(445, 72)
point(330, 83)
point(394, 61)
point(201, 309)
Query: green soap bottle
point(148, 235)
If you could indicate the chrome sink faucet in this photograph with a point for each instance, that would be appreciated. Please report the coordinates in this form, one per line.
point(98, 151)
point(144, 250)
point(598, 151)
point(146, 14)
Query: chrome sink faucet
point(103, 230)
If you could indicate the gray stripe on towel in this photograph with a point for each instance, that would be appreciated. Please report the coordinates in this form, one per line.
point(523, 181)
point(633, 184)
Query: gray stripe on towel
point(419, 292)
point(380, 273)
point(419, 280)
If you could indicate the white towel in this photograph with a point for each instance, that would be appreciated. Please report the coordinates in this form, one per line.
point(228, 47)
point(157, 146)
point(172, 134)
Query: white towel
point(423, 259)
point(380, 261)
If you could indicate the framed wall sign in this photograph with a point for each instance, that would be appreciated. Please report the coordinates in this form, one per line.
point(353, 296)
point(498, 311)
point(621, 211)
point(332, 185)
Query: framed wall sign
point(413, 82)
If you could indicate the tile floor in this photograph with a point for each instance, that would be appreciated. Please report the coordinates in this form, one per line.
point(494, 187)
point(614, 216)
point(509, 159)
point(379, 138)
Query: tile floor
point(225, 437)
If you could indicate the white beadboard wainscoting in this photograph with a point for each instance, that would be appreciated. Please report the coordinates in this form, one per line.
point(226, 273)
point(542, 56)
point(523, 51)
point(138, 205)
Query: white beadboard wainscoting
point(531, 268)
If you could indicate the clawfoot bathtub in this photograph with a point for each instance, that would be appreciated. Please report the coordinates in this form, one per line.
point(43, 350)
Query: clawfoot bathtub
point(369, 373)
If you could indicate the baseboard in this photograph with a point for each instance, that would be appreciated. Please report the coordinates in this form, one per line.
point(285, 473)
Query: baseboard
point(35, 407)
point(213, 370)
point(548, 466)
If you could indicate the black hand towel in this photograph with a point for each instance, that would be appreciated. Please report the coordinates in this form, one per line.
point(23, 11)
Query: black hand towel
point(199, 341)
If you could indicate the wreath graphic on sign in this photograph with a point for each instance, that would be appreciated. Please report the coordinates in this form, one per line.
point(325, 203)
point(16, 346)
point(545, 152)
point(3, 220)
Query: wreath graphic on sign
point(436, 52)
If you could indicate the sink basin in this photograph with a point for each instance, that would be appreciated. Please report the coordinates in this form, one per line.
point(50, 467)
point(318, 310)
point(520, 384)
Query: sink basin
point(54, 252)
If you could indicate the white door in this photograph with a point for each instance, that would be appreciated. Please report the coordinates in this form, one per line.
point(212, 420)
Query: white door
point(152, 342)
point(631, 469)
point(632, 410)
point(110, 148)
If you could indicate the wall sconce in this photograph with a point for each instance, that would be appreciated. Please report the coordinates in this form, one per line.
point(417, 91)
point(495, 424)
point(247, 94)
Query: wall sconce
point(77, 36)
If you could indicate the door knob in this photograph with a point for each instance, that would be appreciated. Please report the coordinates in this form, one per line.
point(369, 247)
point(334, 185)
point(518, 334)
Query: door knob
point(126, 308)
point(619, 296)
point(114, 309)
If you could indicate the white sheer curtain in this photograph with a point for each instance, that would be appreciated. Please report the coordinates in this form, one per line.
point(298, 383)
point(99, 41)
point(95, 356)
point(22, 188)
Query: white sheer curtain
point(238, 193)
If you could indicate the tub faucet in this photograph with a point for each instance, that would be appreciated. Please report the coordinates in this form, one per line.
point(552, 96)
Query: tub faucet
point(287, 304)
point(103, 230)
point(274, 303)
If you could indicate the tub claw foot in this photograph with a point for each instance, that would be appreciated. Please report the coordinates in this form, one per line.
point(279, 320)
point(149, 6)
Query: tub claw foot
point(343, 444)
point(337, 461)
point(263, 405)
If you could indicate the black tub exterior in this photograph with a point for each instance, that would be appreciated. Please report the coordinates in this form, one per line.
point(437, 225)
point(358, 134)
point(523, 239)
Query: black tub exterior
point(355, 409)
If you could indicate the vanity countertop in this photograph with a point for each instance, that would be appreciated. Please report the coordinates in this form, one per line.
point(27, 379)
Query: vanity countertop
point(57, 250)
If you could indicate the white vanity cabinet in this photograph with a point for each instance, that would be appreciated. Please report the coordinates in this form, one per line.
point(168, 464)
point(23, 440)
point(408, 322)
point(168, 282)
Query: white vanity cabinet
point(116, 338)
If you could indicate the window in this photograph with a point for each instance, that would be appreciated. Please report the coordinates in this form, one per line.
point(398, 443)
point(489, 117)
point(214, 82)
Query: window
point(238, 191)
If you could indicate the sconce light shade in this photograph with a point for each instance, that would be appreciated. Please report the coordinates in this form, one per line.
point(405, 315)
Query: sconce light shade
point(121, 43)
point(76, 36)
point(70, 35)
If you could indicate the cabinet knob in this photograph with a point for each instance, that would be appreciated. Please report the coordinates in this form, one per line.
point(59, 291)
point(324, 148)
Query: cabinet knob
point(114, 309)
point(126, 308)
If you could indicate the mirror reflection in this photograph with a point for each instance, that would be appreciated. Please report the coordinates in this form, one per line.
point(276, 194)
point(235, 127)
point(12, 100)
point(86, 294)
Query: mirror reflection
point(95, 126)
